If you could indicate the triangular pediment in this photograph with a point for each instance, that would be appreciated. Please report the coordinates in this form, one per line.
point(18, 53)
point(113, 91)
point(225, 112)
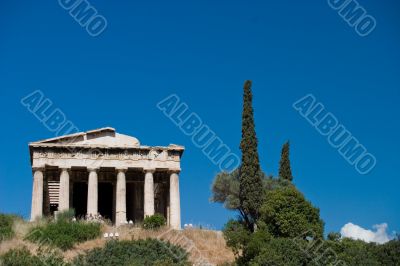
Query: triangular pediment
point(106, 137)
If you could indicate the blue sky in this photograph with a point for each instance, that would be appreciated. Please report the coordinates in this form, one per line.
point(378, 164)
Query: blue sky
point(203, 51)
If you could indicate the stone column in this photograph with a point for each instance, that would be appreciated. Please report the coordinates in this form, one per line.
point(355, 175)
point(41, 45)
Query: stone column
point(37, 193)
point(92, 200)
point(64, 190)
point(149, 192)
point(120, 217)
point(174, 201)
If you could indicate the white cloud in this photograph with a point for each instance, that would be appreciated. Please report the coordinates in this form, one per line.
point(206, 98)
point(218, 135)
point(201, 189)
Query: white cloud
point(357, 232)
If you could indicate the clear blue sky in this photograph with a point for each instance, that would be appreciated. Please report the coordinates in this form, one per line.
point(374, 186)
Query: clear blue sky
point(203, 51)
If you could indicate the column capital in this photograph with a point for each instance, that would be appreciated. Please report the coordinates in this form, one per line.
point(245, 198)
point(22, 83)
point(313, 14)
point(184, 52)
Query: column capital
point(92, 169)
point(149, 170)
point(121, 169)
point(38, 168)
point(174, 170)
point(65, 168)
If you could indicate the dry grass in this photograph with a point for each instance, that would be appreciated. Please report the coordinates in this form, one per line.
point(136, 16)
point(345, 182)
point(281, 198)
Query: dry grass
point(20, 228)
point(211, 245)
point(7, 245)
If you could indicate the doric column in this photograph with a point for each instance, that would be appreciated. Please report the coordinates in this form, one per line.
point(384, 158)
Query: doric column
point(37, 193)
point(64, 190)
point(174, 200)
point(148, 192)
point(120, 209)
point(92, 199)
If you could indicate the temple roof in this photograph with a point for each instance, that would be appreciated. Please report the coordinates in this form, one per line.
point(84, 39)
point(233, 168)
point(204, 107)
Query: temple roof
point(105, 137)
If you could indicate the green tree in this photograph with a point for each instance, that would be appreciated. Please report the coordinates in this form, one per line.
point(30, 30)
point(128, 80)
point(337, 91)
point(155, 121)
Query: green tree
point(354, 252)
point(250, 177)
point(225, 189)
point(278, 251)
point(389, 253)
point(236, 235)
point(334, 236)
point(286, 213)
point(285, 172)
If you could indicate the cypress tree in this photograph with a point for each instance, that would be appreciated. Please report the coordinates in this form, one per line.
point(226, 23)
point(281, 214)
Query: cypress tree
point(285, 171)
point(251, 185)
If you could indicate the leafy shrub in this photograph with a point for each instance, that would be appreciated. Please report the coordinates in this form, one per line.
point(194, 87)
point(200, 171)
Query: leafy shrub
point(279, 251)
point(357, 252)
point(6, 226)
point(153, 222)
point(66, 215)
point(22, 256)
point(139, 252)
point(63, 234)
point(389, 253)
point(264, 249)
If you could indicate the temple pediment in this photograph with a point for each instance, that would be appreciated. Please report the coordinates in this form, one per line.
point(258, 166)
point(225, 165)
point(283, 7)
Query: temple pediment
point(106, 137)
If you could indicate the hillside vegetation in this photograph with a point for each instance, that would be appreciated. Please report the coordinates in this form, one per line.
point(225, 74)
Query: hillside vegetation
point(63, 242)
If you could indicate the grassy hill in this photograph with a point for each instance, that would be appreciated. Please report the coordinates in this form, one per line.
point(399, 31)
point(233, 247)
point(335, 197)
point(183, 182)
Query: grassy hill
point(203, 246)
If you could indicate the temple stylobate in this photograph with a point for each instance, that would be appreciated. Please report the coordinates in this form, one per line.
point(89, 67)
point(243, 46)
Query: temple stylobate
point(107, 173)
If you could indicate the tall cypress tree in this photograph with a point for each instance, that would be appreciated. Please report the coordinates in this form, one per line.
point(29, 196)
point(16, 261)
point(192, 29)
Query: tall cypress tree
point(285, 172)
point(251, 185)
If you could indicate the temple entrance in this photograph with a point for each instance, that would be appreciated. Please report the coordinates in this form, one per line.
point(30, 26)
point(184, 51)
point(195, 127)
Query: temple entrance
point(79, 202)
point(161, 199)
point(106, 196)
point(134, 201)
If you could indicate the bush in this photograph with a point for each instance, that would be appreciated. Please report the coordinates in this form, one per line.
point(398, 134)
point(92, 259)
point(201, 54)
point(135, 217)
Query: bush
point(153, 222)
point(139, 252)
point(19, 257)
point(66, 215)
point(6, 226)
point(280, 251)
point(63, 234)
point(22, 256)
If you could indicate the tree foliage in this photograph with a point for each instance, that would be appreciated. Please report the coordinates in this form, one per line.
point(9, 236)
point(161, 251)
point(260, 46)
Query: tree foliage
point(261, 248)
point(250, 177)
point(225, 190)
point(285, 171)
point(357, 252)
point(276, 251)
point(286, 213)
point(236, 235)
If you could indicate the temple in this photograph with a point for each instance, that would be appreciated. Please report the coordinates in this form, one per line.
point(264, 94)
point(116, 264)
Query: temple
point(102, 172)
